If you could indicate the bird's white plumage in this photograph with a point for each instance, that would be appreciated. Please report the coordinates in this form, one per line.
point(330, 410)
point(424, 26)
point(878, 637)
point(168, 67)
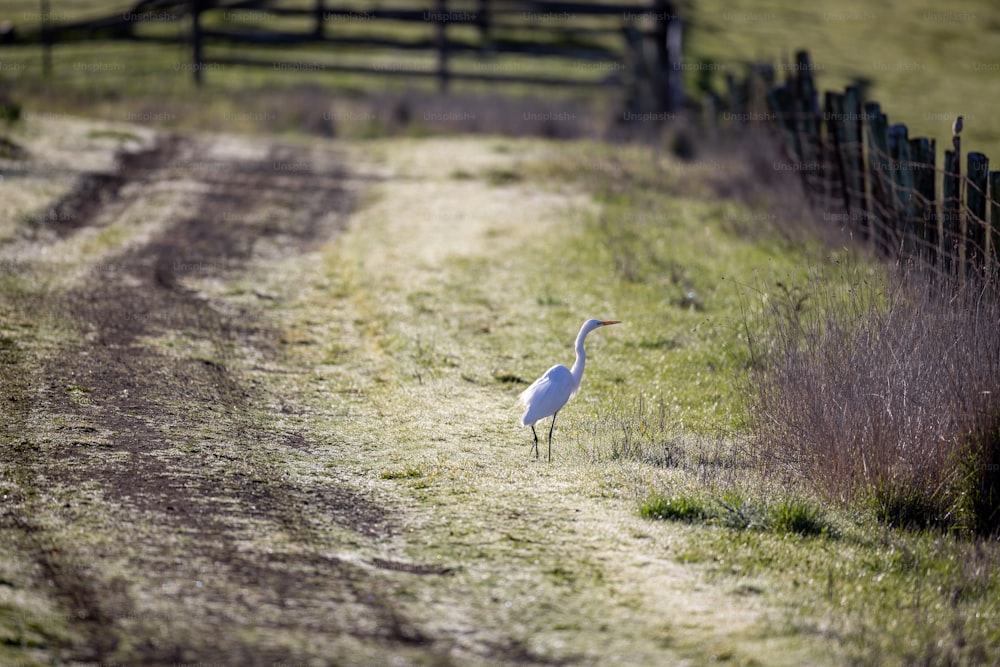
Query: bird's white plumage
point(547, 394)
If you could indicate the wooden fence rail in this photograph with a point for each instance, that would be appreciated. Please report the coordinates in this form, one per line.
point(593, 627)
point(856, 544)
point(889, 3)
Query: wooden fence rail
point(630, 38)
point(874, 179)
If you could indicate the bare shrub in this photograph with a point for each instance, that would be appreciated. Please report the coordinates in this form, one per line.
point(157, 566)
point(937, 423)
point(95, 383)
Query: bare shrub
point(885, 392)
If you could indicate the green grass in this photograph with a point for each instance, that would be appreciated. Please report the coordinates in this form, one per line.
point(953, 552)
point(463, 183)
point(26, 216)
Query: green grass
point(890, 597)
point(662, 259)
point(687, 507)
point(406, 473)
point(792, 515)
point(734, 510)
point(923, 61)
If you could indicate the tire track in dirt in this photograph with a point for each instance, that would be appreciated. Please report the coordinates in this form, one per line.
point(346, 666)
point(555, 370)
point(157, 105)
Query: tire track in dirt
point(148, 403)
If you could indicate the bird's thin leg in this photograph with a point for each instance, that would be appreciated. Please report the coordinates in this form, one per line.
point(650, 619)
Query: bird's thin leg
point(534, 446)
point(550, 434)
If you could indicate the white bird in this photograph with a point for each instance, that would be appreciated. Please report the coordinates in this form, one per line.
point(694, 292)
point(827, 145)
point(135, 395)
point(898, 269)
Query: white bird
point(548, 394)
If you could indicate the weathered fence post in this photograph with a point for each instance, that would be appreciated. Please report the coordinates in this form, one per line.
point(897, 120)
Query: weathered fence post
point(442, 44)
point(878, 167)
point(196, 56)
point(978, 166)
point(46, 39)
point(668, 35)
point(951, 188)
point(675, 58)
point(483, 23)
point(319, 30)
point(833, 111)
point(805, 107)
point(780, 102)
point(903, 190)
point(854, 161)
point(993, 259)
point(925, 204)
point(760, 79)
point(737, 97)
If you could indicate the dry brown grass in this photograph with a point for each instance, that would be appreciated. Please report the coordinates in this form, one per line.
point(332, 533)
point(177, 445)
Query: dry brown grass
point(887, 393)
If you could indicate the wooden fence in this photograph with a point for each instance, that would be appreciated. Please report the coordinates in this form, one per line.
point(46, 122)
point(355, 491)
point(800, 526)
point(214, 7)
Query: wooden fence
point(872, 178)
point(621, 42)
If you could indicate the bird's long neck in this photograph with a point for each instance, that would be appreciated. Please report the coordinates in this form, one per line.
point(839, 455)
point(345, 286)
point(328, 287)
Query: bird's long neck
point(581, 357)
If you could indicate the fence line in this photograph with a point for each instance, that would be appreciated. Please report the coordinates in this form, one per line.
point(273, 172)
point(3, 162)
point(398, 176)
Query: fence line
point(870, 176)
point(646, 34)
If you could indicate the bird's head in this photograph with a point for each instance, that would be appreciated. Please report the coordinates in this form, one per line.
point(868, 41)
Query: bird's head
point(590, 325)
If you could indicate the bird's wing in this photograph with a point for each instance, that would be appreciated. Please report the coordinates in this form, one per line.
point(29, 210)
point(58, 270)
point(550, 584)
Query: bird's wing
point(547, 394)
point(555, 376)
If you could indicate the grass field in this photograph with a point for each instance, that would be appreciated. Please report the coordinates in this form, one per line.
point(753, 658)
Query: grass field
point(924, 62)
point(403, 344)
point(335, 417)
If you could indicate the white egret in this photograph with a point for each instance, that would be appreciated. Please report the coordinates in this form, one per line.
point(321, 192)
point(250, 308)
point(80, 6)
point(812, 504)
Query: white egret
point(548, 394)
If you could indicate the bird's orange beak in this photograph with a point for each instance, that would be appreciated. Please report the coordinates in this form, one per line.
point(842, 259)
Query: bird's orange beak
point(607, 322)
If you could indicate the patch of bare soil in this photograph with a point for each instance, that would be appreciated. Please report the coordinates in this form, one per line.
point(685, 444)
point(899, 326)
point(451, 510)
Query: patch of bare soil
point(163, 463)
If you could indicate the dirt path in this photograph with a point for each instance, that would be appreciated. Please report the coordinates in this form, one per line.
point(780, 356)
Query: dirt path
point(143, 482)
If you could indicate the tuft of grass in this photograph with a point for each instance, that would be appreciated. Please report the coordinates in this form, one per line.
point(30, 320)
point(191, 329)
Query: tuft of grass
point(736, 511)
point(502, 176)
point(794, 515)
point(402, 473)
point(682, 507)
point(905, 506)
point(117, 135)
